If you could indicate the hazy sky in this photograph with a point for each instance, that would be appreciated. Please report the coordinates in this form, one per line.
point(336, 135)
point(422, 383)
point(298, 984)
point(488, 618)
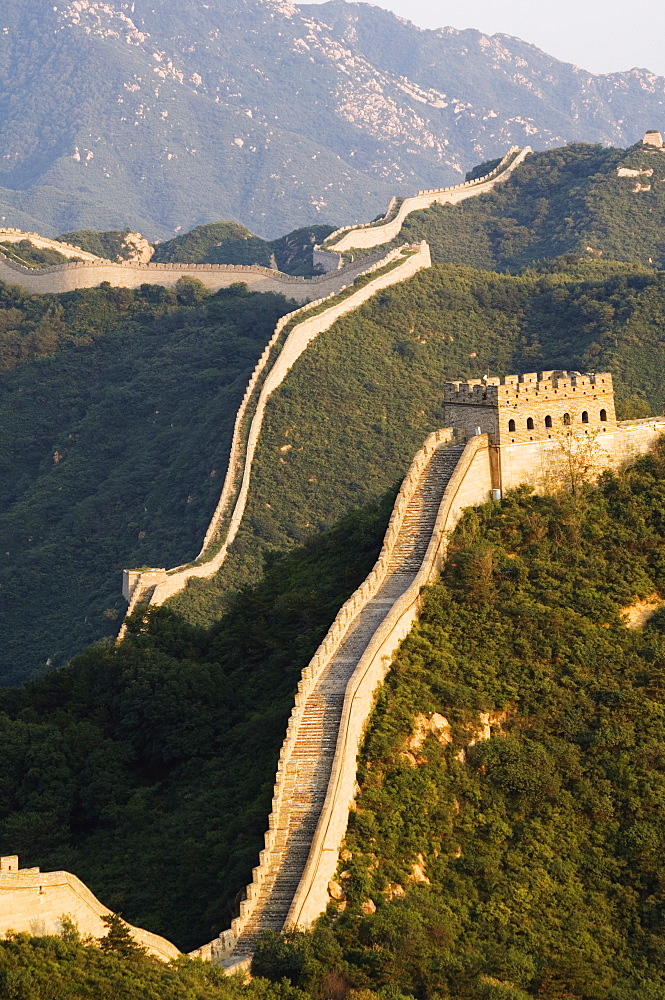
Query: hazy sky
point(603, 36)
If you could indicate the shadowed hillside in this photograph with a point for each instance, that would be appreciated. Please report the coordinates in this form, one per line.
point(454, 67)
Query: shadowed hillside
point(117, 409)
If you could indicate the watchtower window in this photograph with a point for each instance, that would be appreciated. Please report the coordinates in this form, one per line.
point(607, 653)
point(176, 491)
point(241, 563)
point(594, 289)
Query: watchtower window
point(566, 419)
point(548, 421)
point(529, 423)
point(511, 426)
point(603, 415)
point(585, 417)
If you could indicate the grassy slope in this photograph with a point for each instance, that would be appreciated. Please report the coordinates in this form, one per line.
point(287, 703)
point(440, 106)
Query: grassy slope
point(376, 378)
point(543, 845)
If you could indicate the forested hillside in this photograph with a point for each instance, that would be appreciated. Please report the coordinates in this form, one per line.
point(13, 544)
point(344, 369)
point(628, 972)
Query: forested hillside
point(112, 245)
point(147, 769)
point(214, 243)
point(68, 969)
point(116, 409)
point(562, 201)
point(523, 865)
point(508, 828)
point(115, 447)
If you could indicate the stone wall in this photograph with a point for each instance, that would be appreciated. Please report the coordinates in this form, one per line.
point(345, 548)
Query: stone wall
point(364, 237)
point(66, 249)
point(327, 260)
point(34, 902)
point(469, 485)
point(167, 583)
point(91, 273)
point(538, 462)
point(325, 654)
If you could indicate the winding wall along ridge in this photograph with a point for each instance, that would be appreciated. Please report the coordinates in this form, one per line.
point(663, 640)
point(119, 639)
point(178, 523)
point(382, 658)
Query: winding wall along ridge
point(291, 812)
point(389, 601)
point(469, 485)
point(364, 236)
point(159, 585)
point(73, 275)
point(385, 605)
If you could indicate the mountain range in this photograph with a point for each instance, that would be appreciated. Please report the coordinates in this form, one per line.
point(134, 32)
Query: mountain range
point(161, 117)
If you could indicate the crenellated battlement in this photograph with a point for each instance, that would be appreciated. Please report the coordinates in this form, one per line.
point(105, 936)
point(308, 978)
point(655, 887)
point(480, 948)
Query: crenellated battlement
point(531, 386)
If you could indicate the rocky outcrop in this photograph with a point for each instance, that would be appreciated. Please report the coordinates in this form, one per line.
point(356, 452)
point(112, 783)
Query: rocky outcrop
point(136, 249)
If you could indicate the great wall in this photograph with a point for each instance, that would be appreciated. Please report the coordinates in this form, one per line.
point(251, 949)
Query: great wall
point(91, 271)
point(73, 275)
point(301, 327)
point(35, 902)
point(364, 237)
point(503, 432)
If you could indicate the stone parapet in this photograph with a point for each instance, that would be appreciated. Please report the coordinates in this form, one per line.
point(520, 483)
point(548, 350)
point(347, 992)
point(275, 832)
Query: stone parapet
point(90, 273)
point(35, 902)
point(469, 485)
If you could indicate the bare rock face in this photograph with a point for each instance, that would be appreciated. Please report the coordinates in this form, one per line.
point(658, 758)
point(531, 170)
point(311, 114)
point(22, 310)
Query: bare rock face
point(418, 870)
point(434, 724)
point(335, 891)
point(137, 249)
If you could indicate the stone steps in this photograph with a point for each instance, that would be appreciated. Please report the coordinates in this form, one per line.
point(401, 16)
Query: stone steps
point(307, 771)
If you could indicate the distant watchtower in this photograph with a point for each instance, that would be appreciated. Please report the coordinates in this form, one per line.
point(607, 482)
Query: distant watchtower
point(653, 138)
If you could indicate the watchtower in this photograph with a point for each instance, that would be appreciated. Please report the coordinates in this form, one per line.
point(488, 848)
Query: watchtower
point(653, 138)
point(529, 410)
point(537, 406)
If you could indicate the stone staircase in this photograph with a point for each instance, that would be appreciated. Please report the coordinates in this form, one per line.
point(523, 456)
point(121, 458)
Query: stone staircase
point(309, 767)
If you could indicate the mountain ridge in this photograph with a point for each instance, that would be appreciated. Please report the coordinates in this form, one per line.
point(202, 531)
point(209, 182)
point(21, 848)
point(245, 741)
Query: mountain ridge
point(162, 119)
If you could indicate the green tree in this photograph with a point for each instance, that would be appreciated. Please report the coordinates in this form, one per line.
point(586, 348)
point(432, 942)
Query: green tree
point(118, 940)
